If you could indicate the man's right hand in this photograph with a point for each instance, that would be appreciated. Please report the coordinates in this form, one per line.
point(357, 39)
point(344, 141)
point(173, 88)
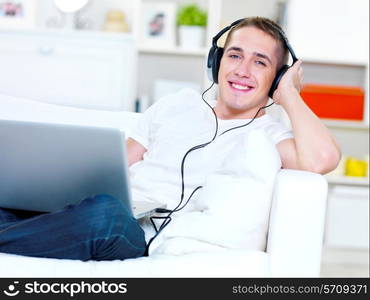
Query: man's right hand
point(135, 151)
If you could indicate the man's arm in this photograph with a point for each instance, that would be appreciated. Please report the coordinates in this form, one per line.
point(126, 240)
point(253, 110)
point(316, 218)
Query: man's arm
point(135, 151)
point(313, 147)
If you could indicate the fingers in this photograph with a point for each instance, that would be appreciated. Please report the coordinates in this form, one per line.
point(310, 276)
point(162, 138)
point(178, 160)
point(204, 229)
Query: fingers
point(297, 67)
point(300, 71)
point(300, 74)
point(297, 64)
point(296, 75)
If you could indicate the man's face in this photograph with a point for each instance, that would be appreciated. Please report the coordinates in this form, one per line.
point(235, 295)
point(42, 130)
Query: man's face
point(247, 69)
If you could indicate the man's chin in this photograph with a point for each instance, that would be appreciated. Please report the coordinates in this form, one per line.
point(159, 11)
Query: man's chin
point(234, 111)
point(238, 106)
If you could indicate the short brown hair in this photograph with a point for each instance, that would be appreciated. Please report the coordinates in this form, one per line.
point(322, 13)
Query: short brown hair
point(268, 26)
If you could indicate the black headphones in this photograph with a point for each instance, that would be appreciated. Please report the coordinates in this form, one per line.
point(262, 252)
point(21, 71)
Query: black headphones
point(215, 55)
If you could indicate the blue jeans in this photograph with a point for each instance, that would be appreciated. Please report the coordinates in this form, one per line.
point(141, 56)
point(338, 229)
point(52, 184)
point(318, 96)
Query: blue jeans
point(98, 228)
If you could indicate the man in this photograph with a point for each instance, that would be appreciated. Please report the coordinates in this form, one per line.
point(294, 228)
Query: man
point(101, 228)
point(253, 53)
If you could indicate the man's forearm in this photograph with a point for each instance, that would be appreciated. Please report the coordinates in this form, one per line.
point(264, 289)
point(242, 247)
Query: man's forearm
point(316, 148)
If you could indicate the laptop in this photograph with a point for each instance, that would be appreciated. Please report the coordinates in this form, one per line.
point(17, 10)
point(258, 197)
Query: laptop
point(45, 167)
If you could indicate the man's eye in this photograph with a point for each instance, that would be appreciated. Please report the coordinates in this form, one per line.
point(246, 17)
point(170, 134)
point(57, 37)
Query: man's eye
point(234, 56)
point(258, 62)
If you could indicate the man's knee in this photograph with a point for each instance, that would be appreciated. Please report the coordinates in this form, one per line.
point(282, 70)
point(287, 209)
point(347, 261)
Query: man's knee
point(105, 204)
point(100, 215)
point(112, 226)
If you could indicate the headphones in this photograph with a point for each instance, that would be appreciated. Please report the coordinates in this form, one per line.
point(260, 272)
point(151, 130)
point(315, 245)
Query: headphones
point(215, 55)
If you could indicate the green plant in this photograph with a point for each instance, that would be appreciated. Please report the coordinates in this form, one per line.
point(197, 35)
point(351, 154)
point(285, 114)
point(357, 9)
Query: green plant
point(191, 15)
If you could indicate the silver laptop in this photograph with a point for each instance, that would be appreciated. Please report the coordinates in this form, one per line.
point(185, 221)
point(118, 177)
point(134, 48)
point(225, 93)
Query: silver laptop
point(44, 167)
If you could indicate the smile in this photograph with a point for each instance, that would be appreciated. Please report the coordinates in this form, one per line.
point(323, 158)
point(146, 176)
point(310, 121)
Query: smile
point(240, 87)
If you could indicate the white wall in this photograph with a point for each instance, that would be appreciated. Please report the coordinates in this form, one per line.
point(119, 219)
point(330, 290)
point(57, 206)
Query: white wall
point(330, 30)
point(249, 8)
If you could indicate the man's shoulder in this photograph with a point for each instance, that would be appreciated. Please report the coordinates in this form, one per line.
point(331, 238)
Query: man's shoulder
point(183, 99)
point(268, 120)
point(275, 128)
point(185, 96)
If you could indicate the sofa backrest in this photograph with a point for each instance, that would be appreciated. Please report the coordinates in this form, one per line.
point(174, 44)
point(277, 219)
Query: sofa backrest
point(21, 109)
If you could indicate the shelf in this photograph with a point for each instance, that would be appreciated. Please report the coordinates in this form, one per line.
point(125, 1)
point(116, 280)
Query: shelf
point(329, 61)
point(347, 180)
point(346, 124)
point(174, 51)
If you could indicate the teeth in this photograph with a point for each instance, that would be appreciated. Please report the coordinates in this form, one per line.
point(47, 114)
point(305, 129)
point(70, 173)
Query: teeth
point(240, 87)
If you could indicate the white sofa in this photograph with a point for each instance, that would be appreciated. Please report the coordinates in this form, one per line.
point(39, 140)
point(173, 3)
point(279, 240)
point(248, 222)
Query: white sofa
point(295, 232)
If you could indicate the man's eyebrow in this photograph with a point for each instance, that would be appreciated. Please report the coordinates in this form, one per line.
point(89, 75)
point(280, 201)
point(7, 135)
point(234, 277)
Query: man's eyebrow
point(234, 49)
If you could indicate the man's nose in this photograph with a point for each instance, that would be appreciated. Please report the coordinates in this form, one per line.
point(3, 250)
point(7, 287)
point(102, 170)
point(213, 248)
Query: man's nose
point(243, 69)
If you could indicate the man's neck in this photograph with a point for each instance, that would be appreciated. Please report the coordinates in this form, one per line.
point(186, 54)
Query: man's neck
point(226, 113)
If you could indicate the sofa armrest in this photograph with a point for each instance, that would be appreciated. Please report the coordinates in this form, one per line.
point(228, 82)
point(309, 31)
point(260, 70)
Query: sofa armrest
point(297, 222)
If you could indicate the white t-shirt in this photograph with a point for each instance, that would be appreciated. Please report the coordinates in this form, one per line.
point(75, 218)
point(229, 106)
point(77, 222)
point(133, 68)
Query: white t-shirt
point(173, 125)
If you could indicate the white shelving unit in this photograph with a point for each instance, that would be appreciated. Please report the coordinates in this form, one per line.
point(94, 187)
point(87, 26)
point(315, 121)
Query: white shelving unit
point(347, 180)
point(174, 51)
point(328, 47)
point(174, 59)
point(330, 41)
point(358, 125)
point(220, 13)
point(213, 8)
point(60, 67)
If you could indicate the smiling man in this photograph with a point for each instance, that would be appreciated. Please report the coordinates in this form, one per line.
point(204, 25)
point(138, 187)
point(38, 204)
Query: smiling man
point(255, 51)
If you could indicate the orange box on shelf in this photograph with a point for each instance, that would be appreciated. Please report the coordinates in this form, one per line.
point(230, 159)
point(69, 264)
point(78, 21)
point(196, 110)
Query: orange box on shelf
point(335, 102)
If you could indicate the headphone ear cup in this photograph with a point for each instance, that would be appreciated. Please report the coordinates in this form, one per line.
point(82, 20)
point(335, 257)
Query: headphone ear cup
point(211, 55)
point(277, 79)
point(216, 63)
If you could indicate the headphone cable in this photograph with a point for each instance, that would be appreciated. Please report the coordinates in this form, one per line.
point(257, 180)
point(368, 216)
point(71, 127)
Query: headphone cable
point(168, 219)
point(240, 126)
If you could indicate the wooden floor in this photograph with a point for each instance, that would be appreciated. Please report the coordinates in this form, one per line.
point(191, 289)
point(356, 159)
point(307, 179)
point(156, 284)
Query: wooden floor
point(345, 263)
